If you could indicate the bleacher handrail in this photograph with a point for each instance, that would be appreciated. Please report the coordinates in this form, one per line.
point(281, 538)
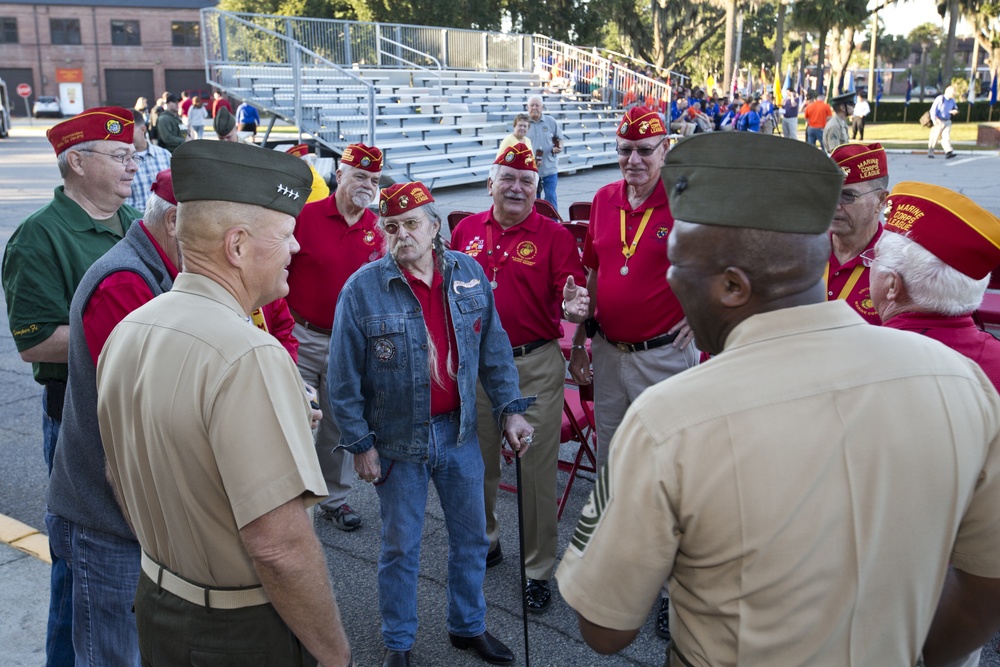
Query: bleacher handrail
point(412, 64)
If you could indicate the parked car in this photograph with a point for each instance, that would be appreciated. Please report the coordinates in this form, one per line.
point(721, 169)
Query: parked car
point(929, 91)
point(4, 110)
point(46, 105)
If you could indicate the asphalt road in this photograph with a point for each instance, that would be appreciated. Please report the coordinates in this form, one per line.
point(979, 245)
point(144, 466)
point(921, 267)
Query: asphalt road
point(27, 176)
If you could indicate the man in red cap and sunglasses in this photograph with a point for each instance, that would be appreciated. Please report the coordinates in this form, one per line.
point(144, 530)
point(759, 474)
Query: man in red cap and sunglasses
point(44, 262)
point(338, 236)
point(856, 225)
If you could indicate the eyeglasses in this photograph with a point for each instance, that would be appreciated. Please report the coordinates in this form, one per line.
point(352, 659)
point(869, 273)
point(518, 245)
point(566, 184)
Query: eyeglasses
point(121, 158)
point(392, 228)
point(643, 152)
point(848, 198)
point(868, 258)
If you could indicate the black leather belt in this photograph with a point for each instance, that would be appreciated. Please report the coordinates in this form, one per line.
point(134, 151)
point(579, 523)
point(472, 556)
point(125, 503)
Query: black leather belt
point(650, 344)
point(528, 348)
point(306, 325)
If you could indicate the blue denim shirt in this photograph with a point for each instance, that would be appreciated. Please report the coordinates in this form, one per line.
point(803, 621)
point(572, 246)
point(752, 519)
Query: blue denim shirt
point(378, 379)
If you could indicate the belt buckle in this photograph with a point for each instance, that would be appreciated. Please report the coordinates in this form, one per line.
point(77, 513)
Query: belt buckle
point(623, 347)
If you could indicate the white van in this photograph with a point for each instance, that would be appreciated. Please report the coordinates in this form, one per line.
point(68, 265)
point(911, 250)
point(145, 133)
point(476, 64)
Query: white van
point(4, 110)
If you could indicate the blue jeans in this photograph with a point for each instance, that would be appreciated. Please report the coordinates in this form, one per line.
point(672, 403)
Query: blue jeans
point(814, 136)
point(457, 473)
point(105, 572)
point(547, 186)
point(59, 633)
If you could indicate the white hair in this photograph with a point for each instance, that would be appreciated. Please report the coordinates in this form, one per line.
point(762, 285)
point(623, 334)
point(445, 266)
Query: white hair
point(62, 160)
point(536, 97)
point(156, 209)
point(495, 173)
point(932, 285)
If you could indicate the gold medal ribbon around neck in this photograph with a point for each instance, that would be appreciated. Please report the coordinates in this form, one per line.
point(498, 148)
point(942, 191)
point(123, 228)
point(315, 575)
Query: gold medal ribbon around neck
point(628, 250)
point(851, 282)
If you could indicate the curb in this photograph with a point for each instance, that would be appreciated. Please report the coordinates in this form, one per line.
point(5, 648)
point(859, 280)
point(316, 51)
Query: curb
point(24, 538)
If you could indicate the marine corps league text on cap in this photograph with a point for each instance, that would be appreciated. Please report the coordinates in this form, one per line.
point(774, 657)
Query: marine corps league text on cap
point(402, 197)
point(97, 124)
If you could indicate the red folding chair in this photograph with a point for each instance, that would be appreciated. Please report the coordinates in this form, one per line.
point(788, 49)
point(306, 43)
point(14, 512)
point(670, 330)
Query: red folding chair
point(580, 211)
point(578, 426)
point(578, 229)
point(547, 209)
point(456, 217)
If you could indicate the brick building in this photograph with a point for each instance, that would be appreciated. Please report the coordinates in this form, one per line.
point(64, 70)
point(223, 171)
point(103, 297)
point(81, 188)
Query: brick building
point(94, 52)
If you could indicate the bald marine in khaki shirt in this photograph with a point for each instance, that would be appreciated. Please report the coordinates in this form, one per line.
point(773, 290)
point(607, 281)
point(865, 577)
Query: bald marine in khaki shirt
point(803, 511)
point(206, 428)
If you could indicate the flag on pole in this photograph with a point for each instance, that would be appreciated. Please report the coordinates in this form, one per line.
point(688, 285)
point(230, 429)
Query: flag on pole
point(763, 77)
point(778, 97)
point(878, 92)
point(710, 84)
point(849, 82)
point(788, 79)
point(993, 87)
point(909, 86)
point(798, 83)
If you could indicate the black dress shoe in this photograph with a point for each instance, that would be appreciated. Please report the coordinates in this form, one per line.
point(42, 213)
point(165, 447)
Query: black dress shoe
point(537, 594)
point(495, 556)
point(487, 646)
point(663, 619)
point(396, 658)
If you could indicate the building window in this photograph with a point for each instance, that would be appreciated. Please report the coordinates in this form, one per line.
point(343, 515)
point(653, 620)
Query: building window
point(65, 31)
point(8, 30)
point(125, 33)
point(186, 33)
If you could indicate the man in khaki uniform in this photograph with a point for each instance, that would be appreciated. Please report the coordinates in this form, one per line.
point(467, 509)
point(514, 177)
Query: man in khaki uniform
point(205, 426)
point(802, 512)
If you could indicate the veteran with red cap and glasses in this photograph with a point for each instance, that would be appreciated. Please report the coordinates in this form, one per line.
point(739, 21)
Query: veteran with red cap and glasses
point(43, 263)
point(856, 225)
point(338, 236)
point(413, 334)
point(534, 268)
point(932, 270)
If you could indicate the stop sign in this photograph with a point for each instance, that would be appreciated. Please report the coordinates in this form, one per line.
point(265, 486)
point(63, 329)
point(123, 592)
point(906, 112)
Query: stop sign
point(24, 90)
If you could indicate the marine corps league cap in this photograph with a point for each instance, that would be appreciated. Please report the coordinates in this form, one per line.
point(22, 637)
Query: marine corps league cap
point(517, 157)
point(224, 123)
point(402, 197)
point(714, 179)
point(97, 124)
point(861, 162)
point(951, 226)
point(227, 171)
point(299, 150)
point(163, 187)
point(639, 123)
point(364, 157)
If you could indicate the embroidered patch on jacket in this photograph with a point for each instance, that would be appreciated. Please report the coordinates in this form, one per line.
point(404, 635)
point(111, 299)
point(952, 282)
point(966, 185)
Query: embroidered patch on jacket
point(385, 350)
point(590, 518)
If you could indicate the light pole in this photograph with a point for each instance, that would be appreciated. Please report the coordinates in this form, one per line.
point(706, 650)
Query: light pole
point(923, 69)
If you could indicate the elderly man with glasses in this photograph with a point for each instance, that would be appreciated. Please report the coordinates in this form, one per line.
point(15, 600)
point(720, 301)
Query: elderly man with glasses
point(856, 226)
point(413, 334)
point(640, 335)
point(44, 262)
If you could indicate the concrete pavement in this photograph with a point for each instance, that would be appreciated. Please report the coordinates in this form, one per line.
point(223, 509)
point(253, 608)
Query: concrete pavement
point(27, 176)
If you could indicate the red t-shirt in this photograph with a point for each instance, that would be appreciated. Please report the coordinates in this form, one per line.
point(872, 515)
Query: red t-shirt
point(444, 396)
point(541, 255)
point(859, 296)
point(220, 104)
point(280, 325)
point(186, 105)
point(640, 305)
point(960, 334)
point(330, 252)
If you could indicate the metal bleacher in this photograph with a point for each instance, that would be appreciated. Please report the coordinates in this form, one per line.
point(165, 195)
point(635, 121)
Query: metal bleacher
point(438, 101)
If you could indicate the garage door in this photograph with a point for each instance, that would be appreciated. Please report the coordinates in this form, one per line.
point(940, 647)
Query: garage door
point(125, 86)
point(191, 80)
point(14, 76)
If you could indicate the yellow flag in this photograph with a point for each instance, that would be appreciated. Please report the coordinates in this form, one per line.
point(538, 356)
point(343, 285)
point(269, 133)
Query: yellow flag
point(778, 99)
point(710, 84)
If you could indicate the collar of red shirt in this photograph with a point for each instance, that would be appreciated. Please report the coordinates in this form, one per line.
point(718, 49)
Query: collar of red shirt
point(531, 223)
point(619, 197)
point(171, 269)
point(911, 321)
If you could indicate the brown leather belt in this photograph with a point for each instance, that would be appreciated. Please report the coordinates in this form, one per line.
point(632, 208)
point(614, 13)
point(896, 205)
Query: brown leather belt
point(306, 325)
point(528, 348)
point(650, 344)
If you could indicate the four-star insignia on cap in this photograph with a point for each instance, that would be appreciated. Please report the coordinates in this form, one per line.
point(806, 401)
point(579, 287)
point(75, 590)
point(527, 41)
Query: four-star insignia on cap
point(288, 192)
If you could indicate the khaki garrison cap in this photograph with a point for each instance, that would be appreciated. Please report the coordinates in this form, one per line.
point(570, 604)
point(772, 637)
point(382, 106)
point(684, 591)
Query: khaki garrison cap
point(747, 179)
point(224, 123)
point(226, 171)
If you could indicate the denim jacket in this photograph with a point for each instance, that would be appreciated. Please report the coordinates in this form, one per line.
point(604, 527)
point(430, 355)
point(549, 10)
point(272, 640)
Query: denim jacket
point(378, 379)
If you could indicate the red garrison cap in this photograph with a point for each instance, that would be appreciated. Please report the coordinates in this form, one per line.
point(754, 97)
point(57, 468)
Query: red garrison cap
point(518, 157)
point(861, 162)
point(163, 186)
point(639, 123)
point(951, 226)
point(402, 197)
point(99, 123)
point(299, 150)
point(364, 157)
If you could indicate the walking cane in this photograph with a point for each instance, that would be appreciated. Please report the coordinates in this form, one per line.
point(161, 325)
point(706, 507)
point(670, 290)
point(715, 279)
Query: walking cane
point(520, 535)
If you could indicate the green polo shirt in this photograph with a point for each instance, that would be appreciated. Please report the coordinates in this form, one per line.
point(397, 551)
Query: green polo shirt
point(45, 260)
